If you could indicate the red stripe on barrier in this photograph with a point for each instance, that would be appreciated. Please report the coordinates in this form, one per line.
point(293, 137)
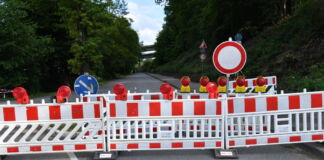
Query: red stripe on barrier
point(213, 127)
point(199, 144)
point(273, 80)
point(199, 108)
point(266, 81)
point(77, 111)
point(272, 103)
point(112, 110)
point(218, 144)
point(249, 104)
point(273, 140)
point(294, 102)
point(137, 97)
point(230, 106)
point(155, 109)
point(103, 100)
point(113, 146)
point(57, 147)
point(9, 114)
point(317, 100)
point(85, 99)
point(55, 112)
point(35, 148)
point(179, 96)
point(155, 145)
point(96, 108)
point(231, 143)
point(12, 149)
point(80, 147)
point(177, 108)
point(317, 137)
point(194, 97)
point(250, 141)
point(32, 113)
point(234, 84)
point(177, 145)
point(254, 82)
point(99, 146)
point(155, 97)
point(294, 138)
point(132, 109)
point(219, 108)
point(132, 146)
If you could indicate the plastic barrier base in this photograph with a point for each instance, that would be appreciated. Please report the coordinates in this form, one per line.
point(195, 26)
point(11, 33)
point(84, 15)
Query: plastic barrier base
point(226, 154)
point(105, 155)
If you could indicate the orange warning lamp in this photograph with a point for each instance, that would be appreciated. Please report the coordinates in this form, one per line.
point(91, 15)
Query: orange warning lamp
point(185, 84)
point(240, 85)
point(121, 92)
point(20, 94)
point(63, 94)
point(222, 82)
point(212, 90)
point(167, 91)
point(260, 84)
point(204, 80)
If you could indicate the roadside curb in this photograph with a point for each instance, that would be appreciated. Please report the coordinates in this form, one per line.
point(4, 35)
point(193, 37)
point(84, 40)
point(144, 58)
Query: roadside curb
point(156, 77)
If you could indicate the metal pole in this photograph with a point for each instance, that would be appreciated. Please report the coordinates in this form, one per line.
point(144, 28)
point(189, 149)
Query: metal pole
point(227, 84)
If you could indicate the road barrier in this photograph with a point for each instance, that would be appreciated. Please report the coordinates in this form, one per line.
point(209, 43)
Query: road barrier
point(51, 127)
point(109, 125)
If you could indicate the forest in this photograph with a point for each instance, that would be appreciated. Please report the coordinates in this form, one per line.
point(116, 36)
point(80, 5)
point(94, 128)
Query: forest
point(47, 43)
point(281, 37)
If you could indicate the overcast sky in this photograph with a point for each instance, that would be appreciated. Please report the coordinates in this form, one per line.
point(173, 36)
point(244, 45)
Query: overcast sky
point(148, 19)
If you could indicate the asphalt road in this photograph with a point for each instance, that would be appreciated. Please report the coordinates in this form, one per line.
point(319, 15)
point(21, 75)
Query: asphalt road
point(140, 82)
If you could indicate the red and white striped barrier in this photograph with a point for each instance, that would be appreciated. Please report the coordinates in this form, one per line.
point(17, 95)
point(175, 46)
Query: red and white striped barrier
point(51, 127)
point(275, 119)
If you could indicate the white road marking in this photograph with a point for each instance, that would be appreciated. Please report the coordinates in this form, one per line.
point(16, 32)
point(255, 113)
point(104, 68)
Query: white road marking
point(72, 156)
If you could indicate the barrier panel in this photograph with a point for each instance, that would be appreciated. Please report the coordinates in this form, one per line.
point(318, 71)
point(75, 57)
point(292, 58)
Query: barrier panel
point(270, 84)
point(51, 127)
point(158, 125)
point(275, 119)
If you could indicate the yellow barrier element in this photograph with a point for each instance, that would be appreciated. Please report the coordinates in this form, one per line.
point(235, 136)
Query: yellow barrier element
point(222, 89)
point(261, 89)
point(202, 89)
point(240, 89)
point(185, 89)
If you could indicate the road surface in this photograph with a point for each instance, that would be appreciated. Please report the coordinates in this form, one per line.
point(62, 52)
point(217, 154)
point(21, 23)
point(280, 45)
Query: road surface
point(140, 82)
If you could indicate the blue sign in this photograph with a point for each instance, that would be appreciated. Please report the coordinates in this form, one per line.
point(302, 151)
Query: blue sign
point(85, 84)
point(238, 37)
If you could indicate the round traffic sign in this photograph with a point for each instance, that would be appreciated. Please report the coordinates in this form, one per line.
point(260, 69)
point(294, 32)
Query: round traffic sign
point(229, 57)
point(85, 84)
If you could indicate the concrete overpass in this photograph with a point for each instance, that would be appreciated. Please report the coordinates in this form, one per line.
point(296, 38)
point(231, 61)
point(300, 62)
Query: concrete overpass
point(148, 52)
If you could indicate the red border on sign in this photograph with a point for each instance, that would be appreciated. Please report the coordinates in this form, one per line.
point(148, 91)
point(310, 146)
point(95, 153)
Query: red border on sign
point(216, 54)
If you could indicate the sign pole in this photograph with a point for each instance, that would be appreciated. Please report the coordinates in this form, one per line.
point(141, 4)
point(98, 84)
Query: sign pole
point(227, 84)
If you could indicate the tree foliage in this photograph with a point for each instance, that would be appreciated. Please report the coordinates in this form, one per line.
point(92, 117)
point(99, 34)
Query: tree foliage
point(48, 43)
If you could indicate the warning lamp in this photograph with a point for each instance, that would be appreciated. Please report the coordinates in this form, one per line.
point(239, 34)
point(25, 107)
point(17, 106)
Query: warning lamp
point(121, 92)
point(167, 91)
point(240, 85)
point(20, 94)
point(204, 80)
point(260, 84)
point(212, 90)
point(63, 94)
point(222, 82)
point(185, 84)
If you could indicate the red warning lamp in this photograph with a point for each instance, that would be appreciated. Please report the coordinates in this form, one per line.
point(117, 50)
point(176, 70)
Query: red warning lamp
point(240, 81)
point(121, 92)
point(222, 81)
point(20, 94)
point(167, 91)
point(185, 81)
point(63, 94)
point(204, 81)
point(212, 90)
point(260, 81)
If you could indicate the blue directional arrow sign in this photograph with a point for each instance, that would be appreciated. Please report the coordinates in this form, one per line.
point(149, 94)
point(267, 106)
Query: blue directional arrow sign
point(84, 84)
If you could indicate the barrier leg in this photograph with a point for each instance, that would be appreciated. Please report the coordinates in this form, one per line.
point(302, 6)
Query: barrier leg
point(226, 154)
point(105, 155)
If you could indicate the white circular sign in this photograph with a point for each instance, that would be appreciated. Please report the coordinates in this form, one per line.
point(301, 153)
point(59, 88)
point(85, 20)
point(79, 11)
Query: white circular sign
point(229, 57)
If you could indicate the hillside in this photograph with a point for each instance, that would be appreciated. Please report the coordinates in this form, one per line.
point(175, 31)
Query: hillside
point(291, 48)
